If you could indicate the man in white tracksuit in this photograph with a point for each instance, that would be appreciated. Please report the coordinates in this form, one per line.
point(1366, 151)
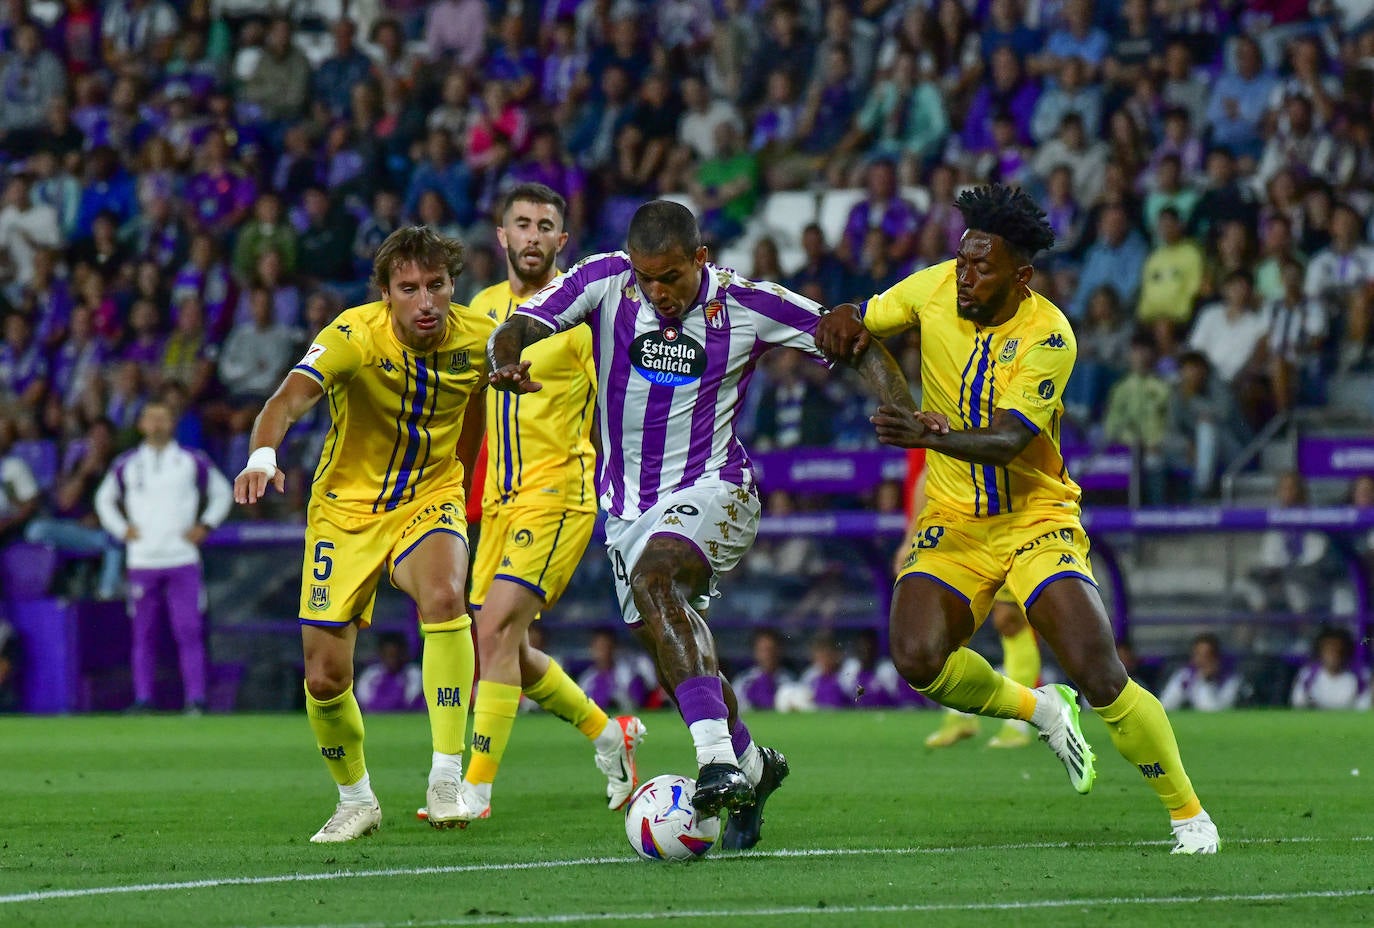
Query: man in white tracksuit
point(162, 500)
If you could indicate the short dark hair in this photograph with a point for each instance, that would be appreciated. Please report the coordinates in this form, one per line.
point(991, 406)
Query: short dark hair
point(419, 244)
point(660, 226)
point(1010, 214)
point(534, 193)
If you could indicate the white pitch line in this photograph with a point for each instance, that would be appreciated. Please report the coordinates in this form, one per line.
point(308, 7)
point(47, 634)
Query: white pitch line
point(214, 882)
point(567, 918)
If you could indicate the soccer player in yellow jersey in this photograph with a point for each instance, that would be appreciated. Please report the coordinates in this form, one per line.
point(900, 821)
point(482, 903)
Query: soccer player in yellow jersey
point(538, 512)
point(1001, 509)
point(403, 377)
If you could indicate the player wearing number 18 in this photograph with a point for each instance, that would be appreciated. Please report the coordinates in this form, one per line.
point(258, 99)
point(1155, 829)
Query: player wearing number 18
point(403, 377)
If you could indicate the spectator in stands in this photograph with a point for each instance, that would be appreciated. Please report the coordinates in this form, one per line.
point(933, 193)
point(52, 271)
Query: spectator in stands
point(1331, 680)
point(1114, 261)
point(1009, 91)
point(335, 78)
point(795, 409)
point(829, 105)
point(1072, 93)
point(725, 187)
point(220, 194)
point(1295, 140)
point(325, 245)
point(26, 225)
point(784, 44)
point(71, 525)
point(1205, 427)
point(1239, 100)
point(269, 231)
point(1206, 683)
point(138, 32)
point(23, 365)
point(1341, 276)
point(33, 79)
point(392, 683)
point(19, 496)
point(903, 117)
point(1138, 416)
point(870, 677)
point(1294, 568)
point(162, 501)
point(188, 355)
point(1276, 247)
point(702, 113)
point(1225, 198)
point(885, 209)
point(758, 687)
point(1170, 190)
point(821, 684)
point(1086, 158)
point(820, 268)
point(444, 173)
point(1232, 334)
point(256, 355)
point(1296, 327)
point(613, 679)
point(1172, 275)
point(1076, 39)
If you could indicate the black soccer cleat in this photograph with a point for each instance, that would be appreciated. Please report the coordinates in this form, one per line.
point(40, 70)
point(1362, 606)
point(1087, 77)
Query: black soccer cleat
point(721, 786)
point(745, 826)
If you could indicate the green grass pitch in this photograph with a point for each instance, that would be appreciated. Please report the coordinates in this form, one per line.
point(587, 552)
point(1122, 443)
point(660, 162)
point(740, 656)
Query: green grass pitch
point(189, 822)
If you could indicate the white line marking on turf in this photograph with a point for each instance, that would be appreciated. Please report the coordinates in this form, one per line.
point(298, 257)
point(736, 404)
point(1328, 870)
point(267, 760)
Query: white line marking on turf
point(213, 882)
point(566, 918)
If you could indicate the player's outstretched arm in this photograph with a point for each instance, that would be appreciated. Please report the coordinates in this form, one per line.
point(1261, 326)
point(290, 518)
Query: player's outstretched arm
point(998, 444)
point(884, 377)
point(841, 334)
point(293, 399)
point(512, 337)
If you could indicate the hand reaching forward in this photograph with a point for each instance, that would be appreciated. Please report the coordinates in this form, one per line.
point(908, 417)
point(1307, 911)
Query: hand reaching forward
point(904, 428)
point(514, 378)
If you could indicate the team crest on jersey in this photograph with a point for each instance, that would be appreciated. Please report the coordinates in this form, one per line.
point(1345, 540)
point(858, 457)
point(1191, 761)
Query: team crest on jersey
point(669, 357)
point(458, 362)
point(1008, 350)
point(715, 314)
point(319, 597)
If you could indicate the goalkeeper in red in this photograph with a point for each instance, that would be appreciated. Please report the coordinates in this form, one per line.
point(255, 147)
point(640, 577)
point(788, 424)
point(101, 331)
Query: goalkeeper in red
point(1001, 508)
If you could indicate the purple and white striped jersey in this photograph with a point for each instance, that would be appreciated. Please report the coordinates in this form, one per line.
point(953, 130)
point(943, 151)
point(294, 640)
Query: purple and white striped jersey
point(670, 389)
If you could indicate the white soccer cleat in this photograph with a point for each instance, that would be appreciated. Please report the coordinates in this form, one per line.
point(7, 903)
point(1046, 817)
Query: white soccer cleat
point(622, 774)
point(448, 805)
point(1065, 738)
point(350, 821)
point(1196, 835)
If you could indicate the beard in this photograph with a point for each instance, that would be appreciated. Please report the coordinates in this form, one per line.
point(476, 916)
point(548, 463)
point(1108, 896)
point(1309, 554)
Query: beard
point(536, 276)
point(981, 313)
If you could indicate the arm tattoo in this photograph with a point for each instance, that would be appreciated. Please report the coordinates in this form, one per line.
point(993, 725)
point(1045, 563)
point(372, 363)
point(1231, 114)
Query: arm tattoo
point(998, 444)
point(512, 337)
point(880, 371)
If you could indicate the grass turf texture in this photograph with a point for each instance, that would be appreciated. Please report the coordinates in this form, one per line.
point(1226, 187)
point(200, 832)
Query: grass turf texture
point(899, 833)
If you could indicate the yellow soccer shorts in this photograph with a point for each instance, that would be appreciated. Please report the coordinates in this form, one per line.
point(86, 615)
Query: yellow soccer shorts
point(1021, 551)
point(345, 553)
point(536, 548)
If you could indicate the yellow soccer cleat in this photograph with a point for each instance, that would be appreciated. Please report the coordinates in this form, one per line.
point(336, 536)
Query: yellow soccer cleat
point(1014, 734)
point(955, 728)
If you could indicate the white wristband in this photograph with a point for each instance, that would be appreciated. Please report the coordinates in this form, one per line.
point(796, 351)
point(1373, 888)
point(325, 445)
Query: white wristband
point(262, 461)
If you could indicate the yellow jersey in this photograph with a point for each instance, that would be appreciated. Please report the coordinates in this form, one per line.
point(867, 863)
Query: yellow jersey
point(968, 372)
point(539, 445)
point(396, 414)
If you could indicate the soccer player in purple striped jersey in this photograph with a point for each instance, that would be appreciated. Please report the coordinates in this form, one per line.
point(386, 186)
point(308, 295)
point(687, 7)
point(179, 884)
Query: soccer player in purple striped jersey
point(676, 340)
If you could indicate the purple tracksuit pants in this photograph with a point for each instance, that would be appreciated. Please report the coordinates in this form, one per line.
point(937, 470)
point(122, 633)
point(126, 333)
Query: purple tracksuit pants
point(181, 591)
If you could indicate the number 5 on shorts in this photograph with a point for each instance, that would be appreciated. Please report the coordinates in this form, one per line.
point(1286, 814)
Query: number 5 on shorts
point(324, 564)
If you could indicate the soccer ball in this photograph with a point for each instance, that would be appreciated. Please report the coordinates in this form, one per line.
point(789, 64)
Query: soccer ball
point(661, 823)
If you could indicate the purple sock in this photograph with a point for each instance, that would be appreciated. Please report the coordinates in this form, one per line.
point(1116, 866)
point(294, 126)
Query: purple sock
point(740, 738)
point(700, 698)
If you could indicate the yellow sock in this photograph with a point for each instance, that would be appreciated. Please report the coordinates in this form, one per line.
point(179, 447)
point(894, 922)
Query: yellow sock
point(968, 683)
point(558, 694)
point(338, 727)
point(493, 717)
point(1021, 657)
point(1142, 733)
point(447, 669)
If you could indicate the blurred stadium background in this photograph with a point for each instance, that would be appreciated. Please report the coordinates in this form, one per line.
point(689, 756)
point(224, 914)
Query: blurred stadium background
point(1207, 164)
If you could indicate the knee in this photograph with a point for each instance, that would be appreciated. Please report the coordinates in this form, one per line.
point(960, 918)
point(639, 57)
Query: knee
point(650, 584)
point(442, 601)
point(326, 683)
point(1101, 682)
point(919, 662)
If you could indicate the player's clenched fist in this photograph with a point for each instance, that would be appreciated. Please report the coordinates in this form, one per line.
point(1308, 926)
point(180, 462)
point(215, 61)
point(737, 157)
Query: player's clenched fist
point(904, 428)
point(515, 378)
point(841, 334)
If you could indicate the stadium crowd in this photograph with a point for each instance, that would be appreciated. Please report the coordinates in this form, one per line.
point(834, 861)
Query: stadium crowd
point(191, 188)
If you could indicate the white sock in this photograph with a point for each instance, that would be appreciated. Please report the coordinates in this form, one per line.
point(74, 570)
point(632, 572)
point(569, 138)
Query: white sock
point(610, 738)
point(751, 762)
point(1046, 710)
point(712, 740)
point(445, 766)
point(357, 792)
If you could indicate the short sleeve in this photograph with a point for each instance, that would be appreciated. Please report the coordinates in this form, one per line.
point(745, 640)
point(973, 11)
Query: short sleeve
point(335, 355)
point(898, 308)
point(1036, 391)
point(781, 317)
point(571, 297)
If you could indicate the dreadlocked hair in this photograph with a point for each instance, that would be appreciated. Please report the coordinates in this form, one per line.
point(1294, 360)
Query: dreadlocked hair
point(1009, 213)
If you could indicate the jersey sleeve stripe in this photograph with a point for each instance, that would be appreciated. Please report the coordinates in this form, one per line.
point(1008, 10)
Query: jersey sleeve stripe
point(307, 369)
point(1025, 421)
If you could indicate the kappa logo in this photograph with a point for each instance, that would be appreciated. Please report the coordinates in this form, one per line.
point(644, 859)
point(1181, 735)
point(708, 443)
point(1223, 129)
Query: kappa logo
point(1008, 351)
point(458, 361)
point(505, 562)
point(346, 330)
point(631, 293)
point(715, 548)
point(319, 597)
point(491, 313)
point(1054, 341)
point(1067, 559)
point(724, 530)
point(732, 511)
point(386, 365)
point(671, 520)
